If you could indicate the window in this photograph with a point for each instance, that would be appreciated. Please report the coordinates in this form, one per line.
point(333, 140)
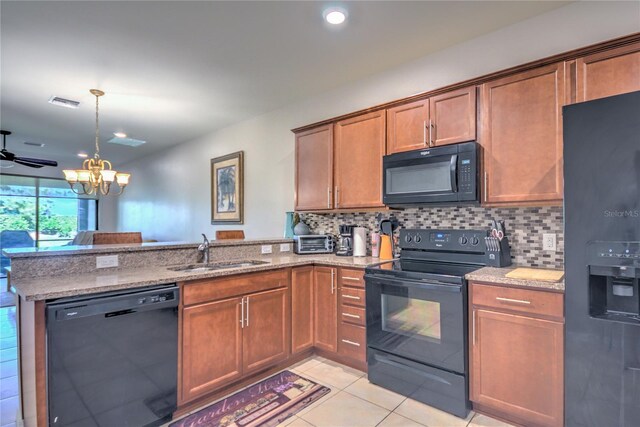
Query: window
point(42, 212)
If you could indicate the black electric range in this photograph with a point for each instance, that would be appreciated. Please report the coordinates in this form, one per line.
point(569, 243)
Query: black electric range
point(417, 317)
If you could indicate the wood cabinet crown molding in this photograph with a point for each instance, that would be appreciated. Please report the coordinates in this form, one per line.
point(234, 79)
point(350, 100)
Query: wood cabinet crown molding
point(565, 56)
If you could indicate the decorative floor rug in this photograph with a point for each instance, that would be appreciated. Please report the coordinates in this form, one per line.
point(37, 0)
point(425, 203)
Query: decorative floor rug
point(264, 404)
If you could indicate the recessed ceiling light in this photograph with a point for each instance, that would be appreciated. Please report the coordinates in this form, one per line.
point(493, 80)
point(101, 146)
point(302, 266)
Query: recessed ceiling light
point(120, 134)
point(83, 155)
point(335, 15)
point(34, 144)
point(62, 102)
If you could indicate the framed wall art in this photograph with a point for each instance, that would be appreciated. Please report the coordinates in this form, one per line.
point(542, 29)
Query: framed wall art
point(227, 181)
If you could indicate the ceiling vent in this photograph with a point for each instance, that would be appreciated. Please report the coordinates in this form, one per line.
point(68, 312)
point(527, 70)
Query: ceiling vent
point(62, 102)
point(129, 142)
point(34, 144)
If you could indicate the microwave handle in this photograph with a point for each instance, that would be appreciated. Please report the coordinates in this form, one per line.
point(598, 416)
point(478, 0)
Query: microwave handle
point(453, 169)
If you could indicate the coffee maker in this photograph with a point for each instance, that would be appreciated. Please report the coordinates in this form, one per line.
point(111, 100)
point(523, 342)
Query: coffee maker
point(345, 240)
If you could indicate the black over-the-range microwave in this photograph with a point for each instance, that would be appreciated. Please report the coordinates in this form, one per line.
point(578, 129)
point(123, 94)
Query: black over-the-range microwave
point(440, 175)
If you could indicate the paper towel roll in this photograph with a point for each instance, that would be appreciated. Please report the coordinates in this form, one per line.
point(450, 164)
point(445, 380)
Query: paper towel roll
point(359, 241)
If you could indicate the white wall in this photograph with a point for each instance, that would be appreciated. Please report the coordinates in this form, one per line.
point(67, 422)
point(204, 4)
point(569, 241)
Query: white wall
point(169, 196)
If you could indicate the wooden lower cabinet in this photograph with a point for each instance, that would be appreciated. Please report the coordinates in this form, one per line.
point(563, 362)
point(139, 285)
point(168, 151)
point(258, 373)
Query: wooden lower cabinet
point(211, 346)
point(265, 336)
point(302, 303)
point(325, 308)
point(517, 361)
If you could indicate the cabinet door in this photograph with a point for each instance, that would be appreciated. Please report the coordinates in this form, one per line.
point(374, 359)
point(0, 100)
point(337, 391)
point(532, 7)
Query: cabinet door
point(608, 73)
point(326, 308)
point(359, 147)
point(453, 117)
point(266, 333)
point(211, 346)
point(522, 137)
point(407, 127)
point(314, 169)
point(517, 367)
point(301, 309)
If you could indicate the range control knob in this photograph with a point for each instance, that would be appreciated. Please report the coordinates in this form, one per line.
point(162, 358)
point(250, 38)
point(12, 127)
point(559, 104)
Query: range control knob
point(475, 241)
point(407, 238)
point(417, 239)
point(463, 240)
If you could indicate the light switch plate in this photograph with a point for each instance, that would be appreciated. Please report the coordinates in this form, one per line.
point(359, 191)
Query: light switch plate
point(549, 242)
point(267, 249)
point(107, 261)
point(285, 247)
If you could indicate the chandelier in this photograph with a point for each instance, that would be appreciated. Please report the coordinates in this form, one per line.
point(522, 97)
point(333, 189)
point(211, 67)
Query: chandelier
point(96, 174)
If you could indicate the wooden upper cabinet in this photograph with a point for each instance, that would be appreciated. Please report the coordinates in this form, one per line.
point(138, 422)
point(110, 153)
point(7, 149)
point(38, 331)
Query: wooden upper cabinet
point(453, 117)
point(359, 144)
point(212, 347)
point(407, 127)
point(325, 308)
point(608, 73)
point(314, 169)
point(521, 133)
point(301, 309)
point(443, 119)
point(266, 329)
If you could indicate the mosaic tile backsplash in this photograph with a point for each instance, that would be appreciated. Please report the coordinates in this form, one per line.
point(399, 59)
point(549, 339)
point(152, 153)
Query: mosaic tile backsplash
point(525, 227)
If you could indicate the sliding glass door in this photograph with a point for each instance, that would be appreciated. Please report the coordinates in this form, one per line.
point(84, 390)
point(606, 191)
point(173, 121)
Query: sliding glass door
point(40, 212)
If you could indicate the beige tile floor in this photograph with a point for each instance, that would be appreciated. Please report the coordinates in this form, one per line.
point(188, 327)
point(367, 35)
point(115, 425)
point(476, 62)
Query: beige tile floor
point(354, 402)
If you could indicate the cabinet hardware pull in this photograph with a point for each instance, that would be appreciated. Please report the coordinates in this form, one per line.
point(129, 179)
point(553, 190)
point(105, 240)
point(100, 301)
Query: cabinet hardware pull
point(247, 311)
point(350, 278)
point(329, 197)
point(351, 342)
point(473, 327)
point(355, 316)
point(242, 313)
point(515, 301)
point(424, 133)
point(430, 138)
point(332, 280)
point(337, 201)
point(485, 186)
point(350, 297)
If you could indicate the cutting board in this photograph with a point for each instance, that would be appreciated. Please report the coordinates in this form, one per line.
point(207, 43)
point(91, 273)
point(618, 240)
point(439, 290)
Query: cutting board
point(536, 274)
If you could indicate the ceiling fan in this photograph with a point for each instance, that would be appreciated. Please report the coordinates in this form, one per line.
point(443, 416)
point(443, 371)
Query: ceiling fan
point(7, 156)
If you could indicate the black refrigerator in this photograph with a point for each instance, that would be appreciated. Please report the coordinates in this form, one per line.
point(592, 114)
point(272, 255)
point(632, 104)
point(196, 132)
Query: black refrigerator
point(602, 262)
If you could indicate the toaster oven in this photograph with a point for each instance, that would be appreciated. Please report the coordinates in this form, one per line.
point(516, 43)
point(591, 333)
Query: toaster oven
point(313, 244)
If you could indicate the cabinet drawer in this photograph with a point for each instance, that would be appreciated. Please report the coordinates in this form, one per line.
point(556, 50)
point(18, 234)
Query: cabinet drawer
point(352, 277)
point(198, 291)
point(541, 303)
point(352, 296)
point(355, 315)
point(353, 342)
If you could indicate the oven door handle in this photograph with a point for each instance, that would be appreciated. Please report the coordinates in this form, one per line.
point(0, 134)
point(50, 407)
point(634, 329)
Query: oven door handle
point(453, 170)
point(415, 284)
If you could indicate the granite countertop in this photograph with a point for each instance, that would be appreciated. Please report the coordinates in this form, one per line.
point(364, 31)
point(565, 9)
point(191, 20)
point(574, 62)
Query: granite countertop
point(43, 288)
point(130, 247)
point(497, 276)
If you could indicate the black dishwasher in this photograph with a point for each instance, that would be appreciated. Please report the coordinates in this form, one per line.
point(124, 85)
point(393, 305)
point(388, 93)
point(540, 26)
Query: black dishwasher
point(112, 358)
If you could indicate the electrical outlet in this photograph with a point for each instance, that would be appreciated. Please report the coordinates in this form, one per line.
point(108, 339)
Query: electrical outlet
point(267, 249)
point(549, 241)
point(285, 247)
point(107, 261)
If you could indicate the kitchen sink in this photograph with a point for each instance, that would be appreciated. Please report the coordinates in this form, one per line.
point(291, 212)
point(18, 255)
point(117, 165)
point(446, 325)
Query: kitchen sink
point(198, 268)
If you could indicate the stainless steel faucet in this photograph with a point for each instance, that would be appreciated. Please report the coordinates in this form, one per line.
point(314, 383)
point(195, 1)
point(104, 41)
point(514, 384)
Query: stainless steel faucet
point(203, 249)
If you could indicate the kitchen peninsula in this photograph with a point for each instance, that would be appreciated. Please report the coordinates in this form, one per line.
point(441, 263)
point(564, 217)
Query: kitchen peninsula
point(270, 311)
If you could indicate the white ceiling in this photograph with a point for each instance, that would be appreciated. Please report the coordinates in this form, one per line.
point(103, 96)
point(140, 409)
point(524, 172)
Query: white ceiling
point(176, 70)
